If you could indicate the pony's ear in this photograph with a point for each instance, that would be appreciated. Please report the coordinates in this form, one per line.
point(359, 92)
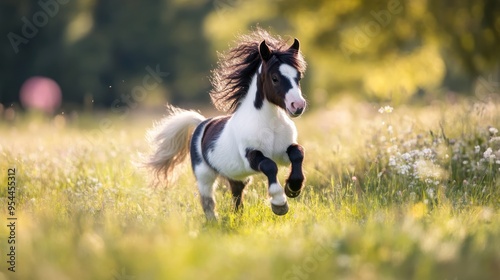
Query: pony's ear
point(264, 51)
point(295, 45)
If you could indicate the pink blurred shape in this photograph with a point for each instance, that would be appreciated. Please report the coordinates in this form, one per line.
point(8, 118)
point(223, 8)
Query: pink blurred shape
point(41, 93)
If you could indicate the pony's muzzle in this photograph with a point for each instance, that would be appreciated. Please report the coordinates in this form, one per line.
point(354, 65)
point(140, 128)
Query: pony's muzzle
point(296, 107)
point(298, 111)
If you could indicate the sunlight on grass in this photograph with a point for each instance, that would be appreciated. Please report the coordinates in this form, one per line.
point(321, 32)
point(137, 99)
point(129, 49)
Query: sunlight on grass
point(396, 194)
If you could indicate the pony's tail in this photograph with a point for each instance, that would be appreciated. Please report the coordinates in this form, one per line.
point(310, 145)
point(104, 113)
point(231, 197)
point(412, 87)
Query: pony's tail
point(170, 142)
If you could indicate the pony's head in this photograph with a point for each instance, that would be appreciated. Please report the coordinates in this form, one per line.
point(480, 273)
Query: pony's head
point(279, 68)
point(279, 78)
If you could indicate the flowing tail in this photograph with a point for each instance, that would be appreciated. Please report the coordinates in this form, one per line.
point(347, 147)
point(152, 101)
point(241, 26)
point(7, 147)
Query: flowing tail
point(170, 141)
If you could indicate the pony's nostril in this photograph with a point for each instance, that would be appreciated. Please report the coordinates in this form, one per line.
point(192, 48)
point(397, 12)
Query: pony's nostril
point(293, 105)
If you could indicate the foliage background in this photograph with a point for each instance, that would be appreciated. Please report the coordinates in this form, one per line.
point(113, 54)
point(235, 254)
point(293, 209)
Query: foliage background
point(394, 49)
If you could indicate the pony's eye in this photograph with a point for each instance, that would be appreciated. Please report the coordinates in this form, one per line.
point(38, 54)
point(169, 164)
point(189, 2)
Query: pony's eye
point(274, 78)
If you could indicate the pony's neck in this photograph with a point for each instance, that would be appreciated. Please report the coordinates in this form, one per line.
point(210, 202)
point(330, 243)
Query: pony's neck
point(248, 107)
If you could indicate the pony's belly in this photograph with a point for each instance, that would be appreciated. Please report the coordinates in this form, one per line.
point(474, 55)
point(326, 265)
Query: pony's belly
point(226, 159)
point(232, 168)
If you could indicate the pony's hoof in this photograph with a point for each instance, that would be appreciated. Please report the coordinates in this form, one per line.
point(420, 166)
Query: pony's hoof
point(291, 193)
point(280, 210)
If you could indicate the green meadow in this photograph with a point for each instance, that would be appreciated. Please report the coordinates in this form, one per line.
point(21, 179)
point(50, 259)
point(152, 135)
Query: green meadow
point(402, 192)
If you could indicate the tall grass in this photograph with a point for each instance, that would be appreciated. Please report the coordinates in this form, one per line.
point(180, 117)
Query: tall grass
point(408, 193)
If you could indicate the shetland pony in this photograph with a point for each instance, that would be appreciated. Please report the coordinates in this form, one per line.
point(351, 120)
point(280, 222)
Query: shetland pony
point(258, 83)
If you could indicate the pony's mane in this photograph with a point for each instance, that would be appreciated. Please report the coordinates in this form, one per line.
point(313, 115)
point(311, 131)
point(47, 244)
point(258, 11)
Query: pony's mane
point(235, 69)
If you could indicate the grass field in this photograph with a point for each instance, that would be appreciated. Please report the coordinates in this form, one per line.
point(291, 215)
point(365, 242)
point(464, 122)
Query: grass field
point(408, 193)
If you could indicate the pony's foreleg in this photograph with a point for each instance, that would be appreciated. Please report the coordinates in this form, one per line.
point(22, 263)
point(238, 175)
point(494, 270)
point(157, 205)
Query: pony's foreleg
point(293, 185)
point(261, 163)
point(205, 177)
point(237, 191)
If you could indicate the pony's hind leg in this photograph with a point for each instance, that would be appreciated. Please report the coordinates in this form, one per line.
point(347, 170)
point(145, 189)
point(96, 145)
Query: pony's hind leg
point(205, 177)
point(237, 192)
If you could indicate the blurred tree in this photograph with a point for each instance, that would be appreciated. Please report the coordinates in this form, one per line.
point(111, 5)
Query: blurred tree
point(386, 49)
point(469, 34)
point(100, 50)
point(32, 44)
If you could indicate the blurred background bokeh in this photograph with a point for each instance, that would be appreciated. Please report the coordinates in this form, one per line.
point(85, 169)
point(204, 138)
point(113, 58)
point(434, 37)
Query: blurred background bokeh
point(85, 55)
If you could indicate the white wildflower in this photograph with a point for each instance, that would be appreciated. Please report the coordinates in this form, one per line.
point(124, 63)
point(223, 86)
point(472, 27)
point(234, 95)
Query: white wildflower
point(389, 129)
point(494, 139)
point(477, 149)
point(386, 109)
point(406, 156)
point(413, 196)
point(430, 192)
point(404, 169)
point(392, 161)
point(493, 130)
point(410, 143)
point(427, 153)
point(489, 154)
point(427, 169)
point(392, 149)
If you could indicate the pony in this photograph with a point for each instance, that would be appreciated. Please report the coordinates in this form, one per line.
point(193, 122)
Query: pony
point(257, 83)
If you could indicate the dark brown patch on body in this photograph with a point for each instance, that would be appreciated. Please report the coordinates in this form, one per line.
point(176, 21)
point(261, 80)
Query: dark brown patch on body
point(213, 129)
point(196, 158)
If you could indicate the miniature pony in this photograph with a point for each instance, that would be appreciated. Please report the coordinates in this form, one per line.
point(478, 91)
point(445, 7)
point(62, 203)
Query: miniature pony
point(258, 83)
